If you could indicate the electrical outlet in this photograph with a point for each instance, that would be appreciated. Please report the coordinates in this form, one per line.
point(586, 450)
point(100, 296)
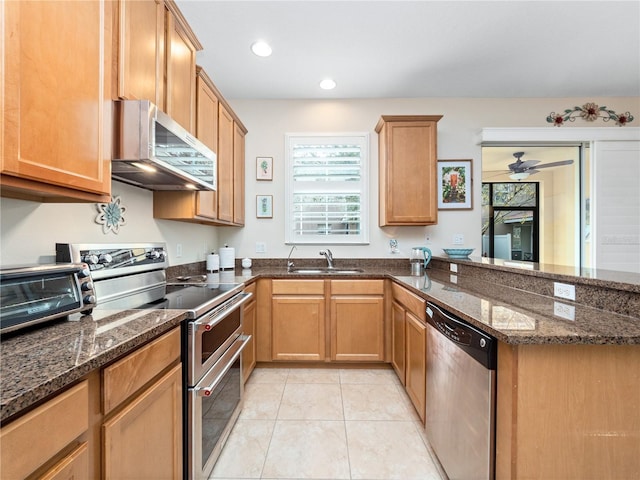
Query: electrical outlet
point(562, 310)
point(458, 239)
point(178, 250)
point(564, 290)
point(261, 247)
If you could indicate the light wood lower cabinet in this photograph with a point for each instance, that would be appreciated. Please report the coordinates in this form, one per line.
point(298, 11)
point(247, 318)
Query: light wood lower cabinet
point(398, 352)
point(568, 412)
point(45, 435)
point(144, 439)
point(357, 320)
point(416, 363)
point(249, 328)
point(409, 344)
point(298, 320)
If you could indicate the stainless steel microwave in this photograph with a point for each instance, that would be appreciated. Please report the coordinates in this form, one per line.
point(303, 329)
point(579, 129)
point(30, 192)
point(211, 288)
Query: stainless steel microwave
point(35, 294)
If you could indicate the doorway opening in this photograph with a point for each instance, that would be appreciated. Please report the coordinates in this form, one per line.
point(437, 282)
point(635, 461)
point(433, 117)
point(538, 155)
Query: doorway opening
point(511, 221)
point(551, 229)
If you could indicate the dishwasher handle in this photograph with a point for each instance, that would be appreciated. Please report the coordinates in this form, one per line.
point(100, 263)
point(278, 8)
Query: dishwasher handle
point(481, 346)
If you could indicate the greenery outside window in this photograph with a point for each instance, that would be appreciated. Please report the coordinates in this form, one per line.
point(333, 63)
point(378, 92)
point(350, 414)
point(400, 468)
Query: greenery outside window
point(326, 189)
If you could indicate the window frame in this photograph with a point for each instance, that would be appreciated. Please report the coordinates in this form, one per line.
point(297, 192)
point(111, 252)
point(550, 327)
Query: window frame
point(362, 139)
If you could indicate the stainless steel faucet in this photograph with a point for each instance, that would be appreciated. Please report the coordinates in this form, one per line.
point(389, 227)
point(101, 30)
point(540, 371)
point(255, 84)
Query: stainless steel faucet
point(329, 256)
point(290, 264)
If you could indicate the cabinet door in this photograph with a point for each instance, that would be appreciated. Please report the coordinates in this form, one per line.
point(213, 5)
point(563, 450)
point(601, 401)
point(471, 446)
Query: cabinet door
point(398, 340)
point(357, 328)
point(298, 328)
point(207, 132)
point(144, 440)
point(141, 51)
point(238, 175)
point(249, 328)
point(181, 74)
point(225, 165)
point(56, 108)
point(73, 466)
point(416, 366)
point(408, 158)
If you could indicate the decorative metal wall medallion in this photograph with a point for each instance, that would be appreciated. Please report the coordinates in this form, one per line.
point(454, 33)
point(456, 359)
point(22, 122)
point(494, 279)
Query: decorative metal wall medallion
point(111, 215)
point(589, 112)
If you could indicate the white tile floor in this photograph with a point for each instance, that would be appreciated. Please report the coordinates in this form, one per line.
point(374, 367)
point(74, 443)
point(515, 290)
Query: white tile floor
point(326, 424)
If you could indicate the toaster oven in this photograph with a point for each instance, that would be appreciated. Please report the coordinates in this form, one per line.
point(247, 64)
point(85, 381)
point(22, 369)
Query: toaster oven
point(35, 294)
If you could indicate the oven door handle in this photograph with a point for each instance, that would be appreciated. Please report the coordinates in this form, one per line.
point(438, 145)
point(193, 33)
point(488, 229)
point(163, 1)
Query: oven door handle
point(228, 359)
point(217, 316)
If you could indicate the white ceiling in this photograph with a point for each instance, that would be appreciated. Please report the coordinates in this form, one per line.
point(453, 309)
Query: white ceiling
point(428, 48)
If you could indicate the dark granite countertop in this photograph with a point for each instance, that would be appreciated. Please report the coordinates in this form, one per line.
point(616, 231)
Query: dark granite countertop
point(38, 363)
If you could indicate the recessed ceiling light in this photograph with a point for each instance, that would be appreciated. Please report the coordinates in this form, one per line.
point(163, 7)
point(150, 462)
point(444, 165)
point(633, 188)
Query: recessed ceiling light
point(327, 84)
point(261, 48)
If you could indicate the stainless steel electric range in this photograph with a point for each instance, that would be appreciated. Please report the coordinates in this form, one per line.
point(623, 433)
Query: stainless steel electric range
point(133, 276)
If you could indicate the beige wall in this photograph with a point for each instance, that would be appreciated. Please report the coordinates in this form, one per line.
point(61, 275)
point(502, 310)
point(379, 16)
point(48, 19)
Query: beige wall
point(30, 230)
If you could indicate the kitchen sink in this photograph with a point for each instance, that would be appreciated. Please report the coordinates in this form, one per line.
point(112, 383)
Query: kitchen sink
point(325, 270)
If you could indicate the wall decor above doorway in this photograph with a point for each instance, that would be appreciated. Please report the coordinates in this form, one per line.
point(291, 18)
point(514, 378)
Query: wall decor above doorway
point(454, 185)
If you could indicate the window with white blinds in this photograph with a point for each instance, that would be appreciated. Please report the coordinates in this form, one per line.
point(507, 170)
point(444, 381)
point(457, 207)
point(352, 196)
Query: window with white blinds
point(327, 178)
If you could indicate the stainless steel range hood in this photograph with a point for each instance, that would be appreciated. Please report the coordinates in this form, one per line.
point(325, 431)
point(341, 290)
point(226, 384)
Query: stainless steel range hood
point(153, 151)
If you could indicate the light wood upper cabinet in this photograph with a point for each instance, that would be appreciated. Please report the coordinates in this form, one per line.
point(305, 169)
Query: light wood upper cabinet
point(225, 165)
point(407, 170)
point(239, 133)
point(55, 115)
point(141, 50)
point(180, 94)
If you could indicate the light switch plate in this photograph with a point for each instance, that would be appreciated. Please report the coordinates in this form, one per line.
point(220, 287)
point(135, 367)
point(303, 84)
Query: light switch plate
point(453, 267)
point(178, 250)
point(261, 247)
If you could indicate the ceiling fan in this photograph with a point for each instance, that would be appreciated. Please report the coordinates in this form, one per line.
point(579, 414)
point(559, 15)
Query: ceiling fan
point(520, 170)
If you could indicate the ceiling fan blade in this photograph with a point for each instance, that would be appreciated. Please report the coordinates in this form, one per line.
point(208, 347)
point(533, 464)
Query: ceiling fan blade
point(519, 166)
point(555, 164)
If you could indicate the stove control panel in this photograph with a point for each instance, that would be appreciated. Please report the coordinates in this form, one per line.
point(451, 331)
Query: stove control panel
point(113, 260)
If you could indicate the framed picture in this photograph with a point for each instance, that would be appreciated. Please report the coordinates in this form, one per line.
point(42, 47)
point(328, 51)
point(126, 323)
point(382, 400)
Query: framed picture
point(264, 168)
point(264, 206)
point(454, 185)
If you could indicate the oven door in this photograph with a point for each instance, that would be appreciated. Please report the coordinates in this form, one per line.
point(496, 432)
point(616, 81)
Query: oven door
point(213, 407)
point(211, 335)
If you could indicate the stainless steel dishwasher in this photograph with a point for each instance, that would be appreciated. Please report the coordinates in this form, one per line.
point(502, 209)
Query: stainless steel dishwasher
point(460, 402)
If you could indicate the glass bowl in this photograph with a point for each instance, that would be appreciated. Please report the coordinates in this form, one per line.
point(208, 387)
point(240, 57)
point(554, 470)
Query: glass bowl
point(460, 253)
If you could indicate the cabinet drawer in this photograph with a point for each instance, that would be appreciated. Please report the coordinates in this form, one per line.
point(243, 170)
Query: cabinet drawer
point(251, 288)
point(74, 465)
point(361, 287)
point(297, 287)
point(128, 375)
point(412, 302)
point(38, 436)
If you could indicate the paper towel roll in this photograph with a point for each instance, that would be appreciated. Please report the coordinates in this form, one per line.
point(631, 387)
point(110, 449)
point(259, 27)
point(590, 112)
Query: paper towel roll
point(213, 262)
point(227, 258)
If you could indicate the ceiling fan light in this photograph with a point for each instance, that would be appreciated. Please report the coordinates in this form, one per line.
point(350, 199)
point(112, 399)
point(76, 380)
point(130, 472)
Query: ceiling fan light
point(519, 176)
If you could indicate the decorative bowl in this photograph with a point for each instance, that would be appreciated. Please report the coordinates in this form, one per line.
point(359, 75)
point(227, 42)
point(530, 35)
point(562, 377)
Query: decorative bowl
point(459, 253)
